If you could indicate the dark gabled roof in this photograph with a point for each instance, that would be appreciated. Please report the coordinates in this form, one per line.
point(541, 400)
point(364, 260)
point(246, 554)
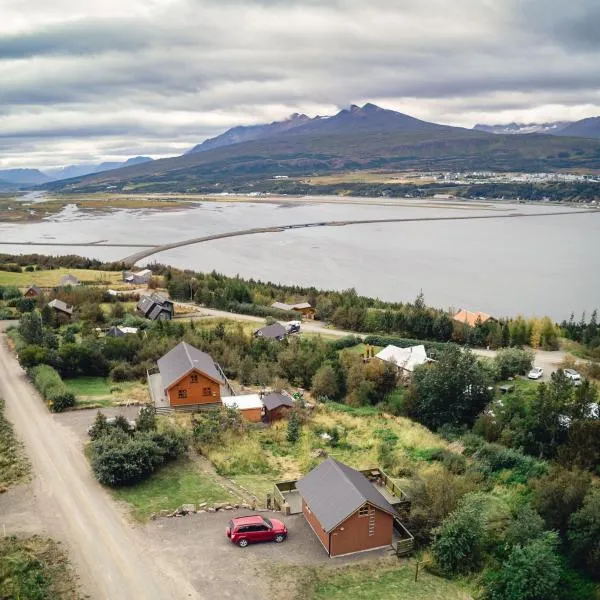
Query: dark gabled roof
point(145, 304)
point(272, 332)
point(157, 309)
point(33, 288)
point(114, 331)
point(181, 360)
point(334, 491)
point(275, 400)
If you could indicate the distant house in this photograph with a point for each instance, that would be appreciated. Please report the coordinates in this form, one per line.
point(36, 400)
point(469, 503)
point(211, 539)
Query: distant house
point(155, 308)
point(277, 405)
point(68, 280)
point(470, 318)
point(250, 405)
point(33, 291)
point(188, 378)
point(61, 308)
point(140, 277)
point(115, 331)
point(276, 331)
point(304, 308)
point(345, 510)
point(405, 359)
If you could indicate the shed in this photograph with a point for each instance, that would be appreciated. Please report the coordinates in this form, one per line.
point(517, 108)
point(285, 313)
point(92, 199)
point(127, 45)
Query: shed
point(250, 405)
point(61, 307)
point(33, 291)
point(277, 405)
point(346, 512)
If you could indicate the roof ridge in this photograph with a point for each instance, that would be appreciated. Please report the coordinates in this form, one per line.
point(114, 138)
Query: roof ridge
point(187, 353)
point(338, 465)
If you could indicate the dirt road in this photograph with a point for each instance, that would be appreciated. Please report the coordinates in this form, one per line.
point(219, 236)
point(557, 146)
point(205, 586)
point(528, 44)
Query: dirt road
point(113, 561)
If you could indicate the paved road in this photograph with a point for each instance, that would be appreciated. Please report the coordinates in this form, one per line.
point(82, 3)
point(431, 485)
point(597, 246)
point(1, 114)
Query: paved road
point(549, 361)
point(113, 561)
point(137, 256)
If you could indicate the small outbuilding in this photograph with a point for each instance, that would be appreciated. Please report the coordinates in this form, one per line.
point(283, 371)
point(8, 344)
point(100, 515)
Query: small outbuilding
point(33, 291)
point(250, 405)
point(276, 331)
point(346, 512)
point(277, 405)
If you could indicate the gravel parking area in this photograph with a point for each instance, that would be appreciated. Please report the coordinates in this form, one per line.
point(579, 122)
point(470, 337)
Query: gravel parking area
point(197, 543)
point(79, 420)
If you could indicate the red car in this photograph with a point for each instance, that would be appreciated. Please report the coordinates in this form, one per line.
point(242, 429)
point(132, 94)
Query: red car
point(247, 530)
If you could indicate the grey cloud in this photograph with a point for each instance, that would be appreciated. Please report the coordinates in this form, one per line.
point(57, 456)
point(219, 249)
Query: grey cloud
point(159, 78)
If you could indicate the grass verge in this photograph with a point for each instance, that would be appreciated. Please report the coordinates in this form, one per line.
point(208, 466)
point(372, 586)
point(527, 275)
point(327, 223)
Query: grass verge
point(52, 277)
point(35, 568)
point(177, 483)
point(14, 465)
point(380, 580)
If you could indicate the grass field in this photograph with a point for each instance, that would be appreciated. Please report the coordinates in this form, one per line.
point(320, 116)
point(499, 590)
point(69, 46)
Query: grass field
point(14, 465)
point(261, 456)
point(52, 277)
point(384, 580)
point(175, 484)
point(101, 392)
point(35, 568)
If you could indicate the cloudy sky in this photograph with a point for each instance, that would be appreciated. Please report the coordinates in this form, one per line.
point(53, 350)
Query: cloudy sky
point(88, 80)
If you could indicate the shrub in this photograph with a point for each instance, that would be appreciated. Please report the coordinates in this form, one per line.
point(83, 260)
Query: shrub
point(498, 457)
point(119, 458)
point(459, 542)
point(52, 388)
point(513, 361)
point(584, 534)
point(531, 572)
point(99, 427)
point(525, 526)
point(558, 495)
point(210, 425)
point(293, 427)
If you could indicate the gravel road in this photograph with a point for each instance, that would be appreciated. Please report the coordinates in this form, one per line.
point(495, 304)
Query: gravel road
point(112, 560)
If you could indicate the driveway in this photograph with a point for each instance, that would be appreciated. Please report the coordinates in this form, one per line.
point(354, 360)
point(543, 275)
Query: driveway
point(227, 571)
point(78, 421)
point(66, 502)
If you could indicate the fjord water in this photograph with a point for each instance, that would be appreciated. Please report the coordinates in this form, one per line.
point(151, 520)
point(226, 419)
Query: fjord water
point(533, 266)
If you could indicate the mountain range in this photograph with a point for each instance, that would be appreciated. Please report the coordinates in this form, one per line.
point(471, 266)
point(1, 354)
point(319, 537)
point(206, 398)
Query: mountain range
point(586, 128)
point(14, 179)
point(357, 138)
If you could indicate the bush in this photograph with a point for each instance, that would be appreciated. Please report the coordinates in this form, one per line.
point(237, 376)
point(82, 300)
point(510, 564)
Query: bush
point(584, 534)
point(459, 542)
point(119, 458)
point(52, 388)
point(499, 458)
point(532, 572)
point(263, 311)
point(210, 425)
point(293, 427)
point(558, 495)
point(513, 361)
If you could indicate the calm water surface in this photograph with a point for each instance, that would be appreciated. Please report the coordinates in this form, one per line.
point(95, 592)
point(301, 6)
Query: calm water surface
point(531, 266)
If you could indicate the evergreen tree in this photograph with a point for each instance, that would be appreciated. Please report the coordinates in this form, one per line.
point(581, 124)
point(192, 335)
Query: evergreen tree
point(293, 428)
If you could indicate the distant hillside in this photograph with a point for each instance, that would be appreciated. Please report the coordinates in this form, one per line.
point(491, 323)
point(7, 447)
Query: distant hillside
point(359, 138)
point(518, 128)
point(587, 128)
point(18, 178)
point(242, 133)
point(71, 171)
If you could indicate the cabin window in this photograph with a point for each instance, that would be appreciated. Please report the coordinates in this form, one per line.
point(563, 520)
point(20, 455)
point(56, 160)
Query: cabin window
point(194, 377)
point(182, 394)
point(206, 391)
point(363, 511)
